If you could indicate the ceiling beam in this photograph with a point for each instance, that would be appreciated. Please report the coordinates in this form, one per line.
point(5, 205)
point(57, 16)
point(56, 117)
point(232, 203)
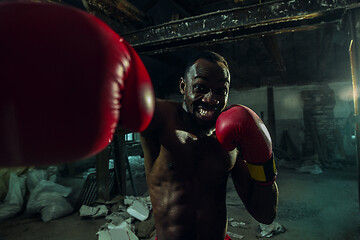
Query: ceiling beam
point(229, 25)
point(120, 10)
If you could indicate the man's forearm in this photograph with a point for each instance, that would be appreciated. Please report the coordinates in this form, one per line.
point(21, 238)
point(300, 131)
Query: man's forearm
point(262, 202)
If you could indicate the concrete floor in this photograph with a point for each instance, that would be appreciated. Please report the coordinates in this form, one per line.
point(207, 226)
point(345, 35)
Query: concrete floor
point(323, 206)
point(311, 207)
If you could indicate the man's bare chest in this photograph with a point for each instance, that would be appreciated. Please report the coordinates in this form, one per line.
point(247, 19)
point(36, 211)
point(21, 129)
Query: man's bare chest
point(187, 153)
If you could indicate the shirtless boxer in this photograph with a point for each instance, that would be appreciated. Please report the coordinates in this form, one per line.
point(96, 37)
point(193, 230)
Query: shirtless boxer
point(187, 168)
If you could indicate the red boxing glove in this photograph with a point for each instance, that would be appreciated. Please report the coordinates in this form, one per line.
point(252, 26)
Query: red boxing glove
point(63, 76)
point(240, 127)
point(138, 101)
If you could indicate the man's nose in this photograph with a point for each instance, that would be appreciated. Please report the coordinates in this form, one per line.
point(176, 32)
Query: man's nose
point(210, 98)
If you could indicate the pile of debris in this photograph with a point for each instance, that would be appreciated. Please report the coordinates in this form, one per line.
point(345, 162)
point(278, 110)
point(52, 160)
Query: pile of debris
point(129, 218)
point(45, 196)
point(266, 230)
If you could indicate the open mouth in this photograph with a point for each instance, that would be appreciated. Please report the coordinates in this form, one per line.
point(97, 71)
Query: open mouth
point(206, 113)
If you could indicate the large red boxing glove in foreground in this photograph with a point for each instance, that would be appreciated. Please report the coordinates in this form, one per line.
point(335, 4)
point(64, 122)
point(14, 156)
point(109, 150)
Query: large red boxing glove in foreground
point(240, 127)
point(66, 81)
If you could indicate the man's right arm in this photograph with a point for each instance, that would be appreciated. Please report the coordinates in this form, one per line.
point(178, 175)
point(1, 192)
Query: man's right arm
point(150, 137)
point(158, 119)
point(154, 125)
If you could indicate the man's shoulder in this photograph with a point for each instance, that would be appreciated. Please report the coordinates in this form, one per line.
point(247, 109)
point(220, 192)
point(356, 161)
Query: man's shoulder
point(166, 112)
point(167, 106)
point(167, 102)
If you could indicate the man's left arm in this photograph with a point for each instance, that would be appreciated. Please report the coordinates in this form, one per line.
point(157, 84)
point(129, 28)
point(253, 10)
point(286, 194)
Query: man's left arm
point(260, 200)
point(255, 172)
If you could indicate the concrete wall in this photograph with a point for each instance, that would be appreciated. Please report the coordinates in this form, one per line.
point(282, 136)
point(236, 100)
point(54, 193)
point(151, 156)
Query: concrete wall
point(289, 110)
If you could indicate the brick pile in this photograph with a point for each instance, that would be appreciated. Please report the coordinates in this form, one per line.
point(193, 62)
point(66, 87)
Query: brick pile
point(319, 121)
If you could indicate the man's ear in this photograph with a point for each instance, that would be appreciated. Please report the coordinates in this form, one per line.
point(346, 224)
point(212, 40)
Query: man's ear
point(182, 85)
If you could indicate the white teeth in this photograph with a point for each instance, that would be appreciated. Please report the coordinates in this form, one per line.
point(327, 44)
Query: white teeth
point(205, 113)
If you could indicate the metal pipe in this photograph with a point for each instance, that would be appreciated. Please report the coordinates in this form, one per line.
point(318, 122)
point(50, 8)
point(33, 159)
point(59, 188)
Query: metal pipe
point(356, 111)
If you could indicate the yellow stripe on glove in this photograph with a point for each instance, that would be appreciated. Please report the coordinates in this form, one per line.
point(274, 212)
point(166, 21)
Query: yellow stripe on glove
point(263, 173)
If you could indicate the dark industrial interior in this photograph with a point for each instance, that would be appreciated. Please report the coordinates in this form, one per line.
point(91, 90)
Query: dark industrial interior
point(290, 61)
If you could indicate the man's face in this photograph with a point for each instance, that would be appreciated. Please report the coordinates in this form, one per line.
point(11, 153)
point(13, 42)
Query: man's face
point(205, 89)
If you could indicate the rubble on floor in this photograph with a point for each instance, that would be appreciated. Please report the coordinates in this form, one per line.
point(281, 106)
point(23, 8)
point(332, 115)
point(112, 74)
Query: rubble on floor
point(49, 199)
point(129, 218)
point(46, 197)
point(271, 230)
point(312, 164)
point(123, 231)
point(14, 198)
point(234, 223)
point(93, 212)
point(313, 169)
point(309, 164)
point(235, 236)
point(267, 231)
point(239, 224)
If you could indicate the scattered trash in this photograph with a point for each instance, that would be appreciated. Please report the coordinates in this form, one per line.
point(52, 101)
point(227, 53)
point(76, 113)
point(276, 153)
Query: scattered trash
point(313, 169)
point(34, 176)
point(138, 210)
point(311, 165)
point(235, 236)
point(5, 178)
point(234, 223)
point(128, 215)
point(146, 200)
point(48, 198)
point(118, 217)
point(14, 200)
point(139, 207)
point(238, 224)
point(94, 212)
point(117, 232)
point(56, 207)
point(271, 230)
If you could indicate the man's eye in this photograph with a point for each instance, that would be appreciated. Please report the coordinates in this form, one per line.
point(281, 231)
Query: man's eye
point(199, 88)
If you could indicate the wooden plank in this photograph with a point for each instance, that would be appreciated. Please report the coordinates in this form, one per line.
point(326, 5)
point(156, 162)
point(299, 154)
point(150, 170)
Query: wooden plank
point(122, 11)
point(102, 175)
point(354, 51)
point(271, 114)
point(120, 159)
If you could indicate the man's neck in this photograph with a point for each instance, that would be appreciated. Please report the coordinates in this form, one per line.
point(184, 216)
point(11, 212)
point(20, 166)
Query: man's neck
point(191, 123)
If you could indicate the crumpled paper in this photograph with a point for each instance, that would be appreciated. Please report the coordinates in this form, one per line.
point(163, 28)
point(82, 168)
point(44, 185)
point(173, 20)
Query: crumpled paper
point(122, 231)
point(235, 235)
point(271, 230)
point(94, 212)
